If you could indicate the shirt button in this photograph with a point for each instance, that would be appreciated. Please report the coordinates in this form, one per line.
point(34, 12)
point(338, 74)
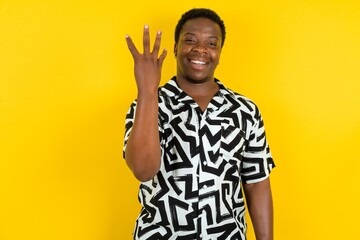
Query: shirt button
point(204, 162)
point(204, 187)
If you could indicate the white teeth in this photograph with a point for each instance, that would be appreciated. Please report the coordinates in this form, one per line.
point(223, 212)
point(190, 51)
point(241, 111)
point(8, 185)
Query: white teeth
point(198, 62)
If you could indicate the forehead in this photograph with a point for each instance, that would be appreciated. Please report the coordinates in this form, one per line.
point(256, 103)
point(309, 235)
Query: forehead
point(201, 26)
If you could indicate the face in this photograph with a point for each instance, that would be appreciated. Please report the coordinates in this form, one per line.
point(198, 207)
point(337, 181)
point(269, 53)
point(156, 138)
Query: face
point(198, 50)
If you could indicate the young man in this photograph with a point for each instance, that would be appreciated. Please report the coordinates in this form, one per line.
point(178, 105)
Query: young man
point(194, 144)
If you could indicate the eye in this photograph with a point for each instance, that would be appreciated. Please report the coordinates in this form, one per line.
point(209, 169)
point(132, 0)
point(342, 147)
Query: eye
point(190, 40)
point(213, 44)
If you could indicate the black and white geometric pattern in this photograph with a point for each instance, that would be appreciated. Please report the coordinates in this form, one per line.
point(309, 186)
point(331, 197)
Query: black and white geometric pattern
point(206, 156)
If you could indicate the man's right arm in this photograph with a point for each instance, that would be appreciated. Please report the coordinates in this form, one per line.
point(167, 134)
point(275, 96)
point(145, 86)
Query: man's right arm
point(142, 153)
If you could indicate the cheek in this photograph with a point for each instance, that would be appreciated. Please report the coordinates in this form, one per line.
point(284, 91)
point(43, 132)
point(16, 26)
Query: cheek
point(179, 55)
point(215, 57)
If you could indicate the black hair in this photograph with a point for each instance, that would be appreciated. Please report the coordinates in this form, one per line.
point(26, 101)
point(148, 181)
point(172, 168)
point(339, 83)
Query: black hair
point(198, 13)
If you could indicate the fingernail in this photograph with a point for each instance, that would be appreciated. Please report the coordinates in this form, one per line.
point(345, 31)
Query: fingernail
point(127, 36)
point(159, 32)
point(146, 26)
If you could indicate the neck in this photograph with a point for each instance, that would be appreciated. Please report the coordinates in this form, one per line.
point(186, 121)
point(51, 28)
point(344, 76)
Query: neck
point(201, 89)
point(202, 92)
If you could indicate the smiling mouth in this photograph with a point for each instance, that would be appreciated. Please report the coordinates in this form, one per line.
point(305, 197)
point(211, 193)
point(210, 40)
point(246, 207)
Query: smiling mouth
point(198, 62)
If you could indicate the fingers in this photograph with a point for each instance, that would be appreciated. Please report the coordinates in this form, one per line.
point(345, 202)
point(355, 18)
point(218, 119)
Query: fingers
point(146, 40)
point(146, 45)
point(157, 43)
point(131, 46)
point(162, 57)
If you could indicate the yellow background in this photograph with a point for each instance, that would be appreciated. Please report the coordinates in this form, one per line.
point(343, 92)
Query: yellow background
point(66, 81)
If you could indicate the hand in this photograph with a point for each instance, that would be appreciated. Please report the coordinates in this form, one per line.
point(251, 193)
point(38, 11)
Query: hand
point(147, 66)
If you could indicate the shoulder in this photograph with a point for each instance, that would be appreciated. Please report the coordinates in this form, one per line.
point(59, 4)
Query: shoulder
point(245, 104)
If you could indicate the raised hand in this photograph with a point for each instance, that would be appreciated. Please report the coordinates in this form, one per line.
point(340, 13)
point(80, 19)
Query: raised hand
point(143, 147)
point(148, 65)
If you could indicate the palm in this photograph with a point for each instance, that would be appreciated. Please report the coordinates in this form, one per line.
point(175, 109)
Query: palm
point(148, 65)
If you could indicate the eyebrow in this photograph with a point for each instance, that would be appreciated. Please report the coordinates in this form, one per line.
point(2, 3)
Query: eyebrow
point(193, 34)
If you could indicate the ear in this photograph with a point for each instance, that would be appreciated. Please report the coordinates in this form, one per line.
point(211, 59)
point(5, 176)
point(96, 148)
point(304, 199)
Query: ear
point(175, 49)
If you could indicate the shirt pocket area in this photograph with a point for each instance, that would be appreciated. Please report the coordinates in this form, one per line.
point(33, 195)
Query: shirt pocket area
point(232, 144)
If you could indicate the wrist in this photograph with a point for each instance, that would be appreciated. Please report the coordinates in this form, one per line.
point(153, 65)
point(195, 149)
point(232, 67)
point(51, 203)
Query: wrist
point(147, 97)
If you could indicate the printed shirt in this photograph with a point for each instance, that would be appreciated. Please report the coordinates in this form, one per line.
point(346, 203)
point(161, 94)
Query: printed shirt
point(205, 159)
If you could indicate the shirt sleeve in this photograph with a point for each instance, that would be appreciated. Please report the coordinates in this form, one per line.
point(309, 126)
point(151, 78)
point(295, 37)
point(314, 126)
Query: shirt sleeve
point(129, 122)
point(257, 161)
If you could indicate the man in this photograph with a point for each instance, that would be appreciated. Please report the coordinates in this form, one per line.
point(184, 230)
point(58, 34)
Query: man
point(194, 144)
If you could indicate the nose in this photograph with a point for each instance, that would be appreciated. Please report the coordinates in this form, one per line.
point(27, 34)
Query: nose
point(200, 49)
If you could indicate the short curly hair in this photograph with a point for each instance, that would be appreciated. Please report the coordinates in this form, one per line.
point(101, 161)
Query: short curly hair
point(198, 13)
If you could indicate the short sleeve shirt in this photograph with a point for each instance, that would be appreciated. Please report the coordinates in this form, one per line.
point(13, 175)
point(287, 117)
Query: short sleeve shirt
point(205, 159)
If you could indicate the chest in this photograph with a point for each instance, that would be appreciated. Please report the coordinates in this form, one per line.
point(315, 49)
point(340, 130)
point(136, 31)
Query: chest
point(209, 139)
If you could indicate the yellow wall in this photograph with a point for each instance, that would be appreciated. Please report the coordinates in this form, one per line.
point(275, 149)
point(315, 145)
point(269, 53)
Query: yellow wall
point(66, 81)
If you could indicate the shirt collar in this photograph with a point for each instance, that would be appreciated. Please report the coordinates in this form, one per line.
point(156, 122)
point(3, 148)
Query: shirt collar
point(172, 90)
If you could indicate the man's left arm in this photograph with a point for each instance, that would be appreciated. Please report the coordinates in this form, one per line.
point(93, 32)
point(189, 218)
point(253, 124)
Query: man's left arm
point(259, 202)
